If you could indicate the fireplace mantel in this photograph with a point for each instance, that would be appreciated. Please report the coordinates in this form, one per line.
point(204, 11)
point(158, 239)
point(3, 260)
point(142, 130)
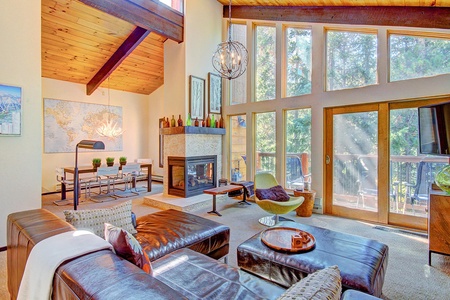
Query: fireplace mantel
point(191, 130)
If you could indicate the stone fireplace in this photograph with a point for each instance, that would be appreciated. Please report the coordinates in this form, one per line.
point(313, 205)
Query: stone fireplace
point(190, 176)
point(186, 142)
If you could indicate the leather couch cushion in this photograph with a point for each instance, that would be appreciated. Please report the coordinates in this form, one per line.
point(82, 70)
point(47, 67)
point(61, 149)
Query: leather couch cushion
point(197, 276)
point(94, 219)
point(126, 246)
point(322, 284)
point(166, 231)
point(103, 275)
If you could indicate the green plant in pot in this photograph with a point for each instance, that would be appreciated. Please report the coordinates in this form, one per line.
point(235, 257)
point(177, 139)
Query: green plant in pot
point(96, 162)
point(123, 160)
point(110, 161)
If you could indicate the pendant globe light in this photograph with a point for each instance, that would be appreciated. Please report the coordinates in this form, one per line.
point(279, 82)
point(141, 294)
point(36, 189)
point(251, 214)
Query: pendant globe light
point(231, 57)
point(109, 129)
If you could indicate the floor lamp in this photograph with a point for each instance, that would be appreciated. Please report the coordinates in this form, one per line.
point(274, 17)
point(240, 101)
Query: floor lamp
point(86, 144)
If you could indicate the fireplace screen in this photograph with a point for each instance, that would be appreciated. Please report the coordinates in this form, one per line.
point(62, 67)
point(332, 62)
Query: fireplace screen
point(190, 176)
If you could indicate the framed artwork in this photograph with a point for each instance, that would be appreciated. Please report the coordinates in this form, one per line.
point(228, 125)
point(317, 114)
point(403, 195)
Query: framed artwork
point(196, 97)
point(215, 93)
point(10, 110)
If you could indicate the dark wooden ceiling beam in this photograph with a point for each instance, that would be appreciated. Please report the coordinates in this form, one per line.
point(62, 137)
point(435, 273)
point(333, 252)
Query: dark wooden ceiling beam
point(132, 41)
point(411, 16)
point(150, 15)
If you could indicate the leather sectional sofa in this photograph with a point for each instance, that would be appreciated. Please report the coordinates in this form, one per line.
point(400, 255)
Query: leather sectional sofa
point(183, 249)
point(181, 246)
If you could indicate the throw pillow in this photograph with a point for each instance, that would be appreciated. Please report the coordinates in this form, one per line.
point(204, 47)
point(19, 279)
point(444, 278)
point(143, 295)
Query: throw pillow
point(126, 246)
point(94, 219)
point(323, 284)
point(276, 193)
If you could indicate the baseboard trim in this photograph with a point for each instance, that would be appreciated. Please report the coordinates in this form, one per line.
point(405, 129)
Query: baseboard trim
point(3, 249)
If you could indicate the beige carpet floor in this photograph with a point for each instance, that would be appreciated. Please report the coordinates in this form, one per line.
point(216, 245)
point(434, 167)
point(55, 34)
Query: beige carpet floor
point(408, 275)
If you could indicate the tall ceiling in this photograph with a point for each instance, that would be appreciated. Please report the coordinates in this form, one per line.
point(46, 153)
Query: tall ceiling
point(78, 40)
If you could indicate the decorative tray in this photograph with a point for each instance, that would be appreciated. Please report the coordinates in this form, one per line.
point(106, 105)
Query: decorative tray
point(280, 238)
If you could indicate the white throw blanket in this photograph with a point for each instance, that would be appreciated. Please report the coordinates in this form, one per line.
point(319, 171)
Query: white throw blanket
point(48, 254)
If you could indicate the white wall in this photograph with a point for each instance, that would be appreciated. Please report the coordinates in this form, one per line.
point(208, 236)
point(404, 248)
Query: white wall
point(202, 33)
point(203, 29)
point(135, 123)
point(20, 61)
point(155, 112)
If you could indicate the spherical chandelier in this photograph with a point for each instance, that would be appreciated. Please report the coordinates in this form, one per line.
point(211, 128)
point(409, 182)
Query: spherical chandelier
point(231, 57)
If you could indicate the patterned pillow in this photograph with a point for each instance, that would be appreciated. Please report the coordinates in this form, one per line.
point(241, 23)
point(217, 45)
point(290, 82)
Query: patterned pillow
point(276, 193)
point(94, 219)
point(127, 247)
point(323, 284)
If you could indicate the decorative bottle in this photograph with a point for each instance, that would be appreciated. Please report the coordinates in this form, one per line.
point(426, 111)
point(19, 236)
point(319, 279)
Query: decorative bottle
point(188, 120)
point(221, 122)
point(208, 121)
point(180, 121)
point(196, 122)
point(172, 121)
point(167, 123)
point(213, 122)
point(203, 123)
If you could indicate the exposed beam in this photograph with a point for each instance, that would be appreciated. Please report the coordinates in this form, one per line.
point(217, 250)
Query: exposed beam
point(412, 16)
point(151, 15)
point(132, 41)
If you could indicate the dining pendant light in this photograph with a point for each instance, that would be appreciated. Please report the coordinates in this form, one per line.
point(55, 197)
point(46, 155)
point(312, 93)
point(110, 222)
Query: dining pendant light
point(231, 57)
point(109, 128)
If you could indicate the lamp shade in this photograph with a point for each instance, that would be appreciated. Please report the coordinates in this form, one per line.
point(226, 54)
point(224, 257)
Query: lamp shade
point(90, 144)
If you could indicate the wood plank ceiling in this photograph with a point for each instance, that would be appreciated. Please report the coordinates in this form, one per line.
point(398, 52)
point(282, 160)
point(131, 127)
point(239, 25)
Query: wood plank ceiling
point(78, 39)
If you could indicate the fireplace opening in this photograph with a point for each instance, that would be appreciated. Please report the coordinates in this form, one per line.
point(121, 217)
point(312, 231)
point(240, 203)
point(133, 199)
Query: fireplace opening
point(190, 176)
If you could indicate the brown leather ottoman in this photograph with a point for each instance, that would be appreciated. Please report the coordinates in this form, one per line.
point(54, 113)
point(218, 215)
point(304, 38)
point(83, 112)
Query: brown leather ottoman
point(362, 261)
point(163, 232)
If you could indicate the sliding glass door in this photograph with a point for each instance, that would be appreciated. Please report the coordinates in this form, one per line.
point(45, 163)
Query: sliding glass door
point(373, 169)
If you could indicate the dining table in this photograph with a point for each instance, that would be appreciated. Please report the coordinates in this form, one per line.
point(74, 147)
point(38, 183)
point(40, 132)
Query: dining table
point(92, 169)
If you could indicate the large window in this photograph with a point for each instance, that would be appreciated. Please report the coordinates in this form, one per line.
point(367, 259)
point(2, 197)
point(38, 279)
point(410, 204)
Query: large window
point(298, 146)
point(351, 59)
point(238, 148)
point(265, 52)
point(298, 61)
point(266, 144)
point(239, 85)
point(415, 57)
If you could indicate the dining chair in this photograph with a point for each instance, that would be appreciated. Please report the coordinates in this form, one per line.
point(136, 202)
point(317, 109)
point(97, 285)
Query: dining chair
point(129, 174)
point(69, 183)
point(105, 177)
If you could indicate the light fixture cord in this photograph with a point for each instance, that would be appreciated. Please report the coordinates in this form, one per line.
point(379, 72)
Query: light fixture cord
point(229, 22)
point(109, 98)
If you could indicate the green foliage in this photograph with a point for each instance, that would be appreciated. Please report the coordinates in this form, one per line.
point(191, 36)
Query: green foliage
point(96, 161)
point(298, 58)
point(404, 131)
point(351, 59)
point(265, 63)
point(122, 159)
point(298, 131)
point(356, 133)
point(110, 159)
point(415, 57)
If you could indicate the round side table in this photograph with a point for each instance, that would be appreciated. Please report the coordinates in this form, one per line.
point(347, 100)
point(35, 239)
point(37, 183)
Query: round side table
point(305, 210)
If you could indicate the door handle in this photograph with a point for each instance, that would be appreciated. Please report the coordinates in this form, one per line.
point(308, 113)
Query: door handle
point(327, 159)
